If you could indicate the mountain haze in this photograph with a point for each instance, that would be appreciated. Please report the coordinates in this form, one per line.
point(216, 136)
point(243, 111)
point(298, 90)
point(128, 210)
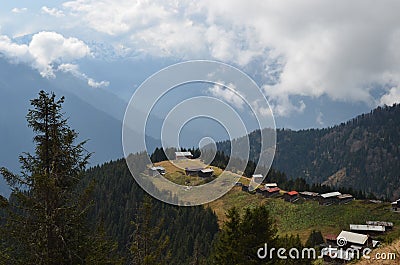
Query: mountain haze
point(92, 112)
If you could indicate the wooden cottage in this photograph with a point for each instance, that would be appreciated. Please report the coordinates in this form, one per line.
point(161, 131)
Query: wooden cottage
point(329, 198)
point(345, 198)
point(206, 173)
point(291, 196)
point(192, 171)
point(396, 206)
point(155, 171)
point(308, 195)
point(270, 185)
point(183, 155)
point(271, 192)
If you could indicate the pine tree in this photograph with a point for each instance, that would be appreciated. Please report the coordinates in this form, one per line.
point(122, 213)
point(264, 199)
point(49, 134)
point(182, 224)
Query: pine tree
point(315, 239)
point(241, 237)
point(46, 214)
point(148, 246)
point(226, 249)
point(257, 228)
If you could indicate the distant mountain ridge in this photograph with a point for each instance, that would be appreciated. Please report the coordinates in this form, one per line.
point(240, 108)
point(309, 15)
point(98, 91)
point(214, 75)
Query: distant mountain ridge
point(363, 153)
point(95, 114)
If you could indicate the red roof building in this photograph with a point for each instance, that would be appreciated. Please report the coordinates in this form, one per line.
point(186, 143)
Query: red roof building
point(331, 237)
point(291, 196)
point(272, 192)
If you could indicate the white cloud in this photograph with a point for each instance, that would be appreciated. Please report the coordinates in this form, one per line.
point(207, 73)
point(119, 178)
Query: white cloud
point(312, 48)
point(74, 70)
point(52, 11)
point(50, 47)
point(334, 49)
point(19, 10)
point(13, 50)
point(118, 17)
point(225, 93)
point(263, 111)
point(93, 83)
point(181, 39)
point(338, 49)
point(69, 68)
point(393, 96)
point(283, 106)
point(160, 28)
point(44, 50)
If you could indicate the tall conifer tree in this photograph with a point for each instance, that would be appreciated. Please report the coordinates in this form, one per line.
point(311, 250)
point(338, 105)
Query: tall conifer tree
point(46, 220)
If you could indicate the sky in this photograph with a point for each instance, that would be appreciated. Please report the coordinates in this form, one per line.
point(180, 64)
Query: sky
point(297, 51)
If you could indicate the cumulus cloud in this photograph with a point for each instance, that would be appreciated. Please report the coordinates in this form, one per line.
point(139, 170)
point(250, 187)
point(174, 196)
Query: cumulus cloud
point(283, 106)
point(263, 111)
point(74, 70)
point(160, 28)
point(184, 39)
point(347, 51)
point(69, 68)
point(335, 49)
point(118, 17)
point(13, 50)
point(228, 94)
point(344, 50)
point(94, 83)
point(393, 96)
point(19, 10)
point(52, 11)
point(45, 50)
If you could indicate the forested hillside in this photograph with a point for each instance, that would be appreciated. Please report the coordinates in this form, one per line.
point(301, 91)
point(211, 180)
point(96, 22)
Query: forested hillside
point(186, 232)
point(60, 213)
point(362, 153)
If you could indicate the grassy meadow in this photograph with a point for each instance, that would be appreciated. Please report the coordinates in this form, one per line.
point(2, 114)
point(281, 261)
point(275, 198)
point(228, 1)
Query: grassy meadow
point(304, 216)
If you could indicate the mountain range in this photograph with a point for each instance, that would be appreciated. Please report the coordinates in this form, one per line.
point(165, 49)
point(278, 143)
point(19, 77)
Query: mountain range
point(95, 114)
point(362, 153)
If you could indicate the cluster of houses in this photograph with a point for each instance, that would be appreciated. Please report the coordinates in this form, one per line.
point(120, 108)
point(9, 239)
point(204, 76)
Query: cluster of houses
point(348, 243)
point(200, 172)
point(189, 171)
point(270, 190)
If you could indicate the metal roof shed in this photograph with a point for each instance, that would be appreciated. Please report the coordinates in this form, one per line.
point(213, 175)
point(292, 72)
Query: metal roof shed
point(353, 238)
point(372, 228)
point(183, 155)
point(270, 185)
point(258, 177)
point(330, 194)
point(383, 223)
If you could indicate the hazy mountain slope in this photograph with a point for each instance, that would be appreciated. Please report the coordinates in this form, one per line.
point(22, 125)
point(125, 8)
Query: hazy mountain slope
point(362, 153)
point(19, 84)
